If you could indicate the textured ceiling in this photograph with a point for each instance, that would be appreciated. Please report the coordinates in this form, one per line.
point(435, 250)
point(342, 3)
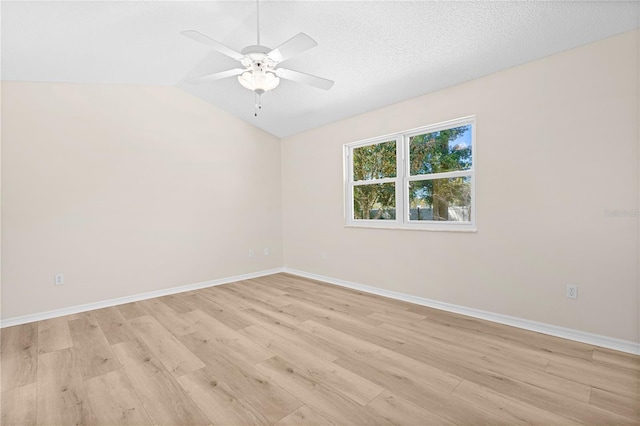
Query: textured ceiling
point(378, 53)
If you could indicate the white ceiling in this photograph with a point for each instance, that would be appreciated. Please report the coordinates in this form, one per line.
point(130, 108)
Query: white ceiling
point(378, 53)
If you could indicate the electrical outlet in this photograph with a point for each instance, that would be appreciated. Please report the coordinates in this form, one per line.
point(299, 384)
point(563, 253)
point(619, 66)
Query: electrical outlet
point(323, 254)
point(250, 252)
point(58, 279)
point(572, 291)
point(266, 251)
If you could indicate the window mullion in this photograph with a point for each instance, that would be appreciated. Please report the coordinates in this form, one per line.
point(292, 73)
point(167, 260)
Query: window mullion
point(445, 175)
point(400, 211)
point(349, 189)
point(374, 181)
point(402, 181)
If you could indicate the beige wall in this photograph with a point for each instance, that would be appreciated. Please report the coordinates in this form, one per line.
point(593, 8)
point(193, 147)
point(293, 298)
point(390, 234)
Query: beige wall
point(557, 144)
point(129, 189)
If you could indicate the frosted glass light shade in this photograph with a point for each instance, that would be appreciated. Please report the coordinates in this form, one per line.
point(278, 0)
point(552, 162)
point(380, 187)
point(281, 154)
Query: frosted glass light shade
point(259, 81)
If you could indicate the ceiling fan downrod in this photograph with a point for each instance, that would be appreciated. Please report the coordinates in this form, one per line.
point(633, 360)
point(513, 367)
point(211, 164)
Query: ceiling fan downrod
point(258, 20)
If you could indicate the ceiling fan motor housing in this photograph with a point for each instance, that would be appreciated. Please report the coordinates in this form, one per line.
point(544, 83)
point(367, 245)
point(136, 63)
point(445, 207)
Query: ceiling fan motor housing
point(256, 57)
point(260, 76)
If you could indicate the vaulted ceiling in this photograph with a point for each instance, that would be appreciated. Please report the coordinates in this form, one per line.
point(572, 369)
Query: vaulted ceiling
point(378, 52)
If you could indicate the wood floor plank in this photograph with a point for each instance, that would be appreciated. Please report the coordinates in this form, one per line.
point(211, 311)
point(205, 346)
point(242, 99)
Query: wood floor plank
point(177, 302)
point(487, 343)
point(544, 399)
point(426, 334)
point(225, 315)
point(224, 298)
point(357, 327)
point(218, 401)
point(498, 367)
point(619, 359)
point(304, 416)
point(512, 410)
point(114, 325)
point(394, 363)
point(18, 356)
point(342, 380)
point(267, 398)
point(302, 339)
point(18, 406)
point(320, 312)
point(19, 337)
point(114, 401)
point(166, 316)
point(399, 411)
point(247, 308)
point(258, 314)
point(132, 310)
point(53, 334)
point(327, 402)
point(175, 357)
point(420, 384)
point(259, 288)
point(375, 302)
point(614, 379)
point(231, 302)
point(279, 281)
point(435, 401)
point(90, 344)
point(332, 301)
point(61, 395)
point(160, 394)
point(340, 343)
point(255, 296)
point(616, 403)
point(541, 343)
point(18, 368)
point(232, 342)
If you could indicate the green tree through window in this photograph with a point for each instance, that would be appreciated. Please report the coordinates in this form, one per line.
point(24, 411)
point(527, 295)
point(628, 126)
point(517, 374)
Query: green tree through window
point(374, 201)
point(439, 152)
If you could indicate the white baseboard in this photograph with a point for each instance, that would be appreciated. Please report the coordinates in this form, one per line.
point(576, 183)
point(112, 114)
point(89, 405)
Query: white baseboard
point(128, 299)
point(552, 330)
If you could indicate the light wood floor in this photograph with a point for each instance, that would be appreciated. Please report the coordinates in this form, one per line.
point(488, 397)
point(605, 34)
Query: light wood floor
point(290, 351)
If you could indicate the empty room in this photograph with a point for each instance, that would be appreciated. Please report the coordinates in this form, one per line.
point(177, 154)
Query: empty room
point(320, 212)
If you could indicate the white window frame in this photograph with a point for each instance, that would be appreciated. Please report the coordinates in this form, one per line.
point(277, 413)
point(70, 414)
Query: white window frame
point(402, 179)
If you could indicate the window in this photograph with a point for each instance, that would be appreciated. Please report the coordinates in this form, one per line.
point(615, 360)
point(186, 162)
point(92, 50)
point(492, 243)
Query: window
point(418, 179)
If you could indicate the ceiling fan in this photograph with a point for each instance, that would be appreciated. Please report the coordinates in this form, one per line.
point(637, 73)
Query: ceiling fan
point(261, 71)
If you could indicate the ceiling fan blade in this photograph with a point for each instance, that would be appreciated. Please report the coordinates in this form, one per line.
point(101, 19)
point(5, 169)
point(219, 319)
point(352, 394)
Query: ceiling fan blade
point(217, 76)
point(201, 38)
point(300, 77)
point(295, 45)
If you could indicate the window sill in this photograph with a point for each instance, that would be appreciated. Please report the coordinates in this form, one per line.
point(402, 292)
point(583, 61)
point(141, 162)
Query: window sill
point(450, 228)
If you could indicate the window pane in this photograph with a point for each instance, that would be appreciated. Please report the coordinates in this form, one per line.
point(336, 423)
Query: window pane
point(442, 151)
point(441, 199)
point(377, 201)
point(374, 161)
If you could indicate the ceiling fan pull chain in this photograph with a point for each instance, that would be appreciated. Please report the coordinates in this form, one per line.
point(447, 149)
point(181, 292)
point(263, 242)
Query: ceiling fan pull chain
point(258, 105)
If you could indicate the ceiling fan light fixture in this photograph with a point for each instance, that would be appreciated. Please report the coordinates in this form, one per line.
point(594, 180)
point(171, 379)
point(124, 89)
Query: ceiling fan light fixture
point(259, 81)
